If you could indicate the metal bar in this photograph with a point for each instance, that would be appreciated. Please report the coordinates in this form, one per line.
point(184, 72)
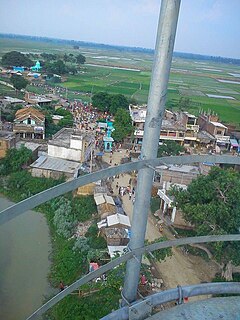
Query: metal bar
point(175, 295)
point(44, 196)
point(155, 111)
point(95, 274)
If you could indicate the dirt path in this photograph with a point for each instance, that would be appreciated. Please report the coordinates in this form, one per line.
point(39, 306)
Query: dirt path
point(179, 269)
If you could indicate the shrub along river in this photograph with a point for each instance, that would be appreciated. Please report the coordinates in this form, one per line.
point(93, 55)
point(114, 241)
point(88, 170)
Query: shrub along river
point(24, 264)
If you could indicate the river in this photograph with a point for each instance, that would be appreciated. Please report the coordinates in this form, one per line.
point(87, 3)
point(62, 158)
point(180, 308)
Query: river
point(24, 264)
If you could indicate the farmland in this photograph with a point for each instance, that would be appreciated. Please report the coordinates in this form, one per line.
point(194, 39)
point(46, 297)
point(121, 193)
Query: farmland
point(128, 73)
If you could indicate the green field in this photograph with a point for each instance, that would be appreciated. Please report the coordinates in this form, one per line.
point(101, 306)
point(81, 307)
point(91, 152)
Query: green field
point(189, 78)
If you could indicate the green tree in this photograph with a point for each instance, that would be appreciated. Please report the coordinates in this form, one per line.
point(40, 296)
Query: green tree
point(212, 204)
point(101, 101)
point(15, 58)
point(161, 254)
point(122, 124)
point(80, 59)
point(15, 159)
point(170, 148)
point(57, 67)
point(19, 82)
point(184, 103)
point(118, 101)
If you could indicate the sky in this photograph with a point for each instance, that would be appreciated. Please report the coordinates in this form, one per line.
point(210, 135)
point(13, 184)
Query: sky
point(205, 26)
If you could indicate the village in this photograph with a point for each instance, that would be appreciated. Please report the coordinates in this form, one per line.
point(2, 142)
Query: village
point(88, 146)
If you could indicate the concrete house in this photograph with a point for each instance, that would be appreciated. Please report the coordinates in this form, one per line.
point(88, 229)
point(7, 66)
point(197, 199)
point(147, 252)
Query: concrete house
point(71, 145)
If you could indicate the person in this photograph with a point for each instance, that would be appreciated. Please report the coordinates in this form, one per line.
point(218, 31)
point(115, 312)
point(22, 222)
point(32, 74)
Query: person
point(61, 286)
point(130, 195)
point(143, 279)
point(117, 185)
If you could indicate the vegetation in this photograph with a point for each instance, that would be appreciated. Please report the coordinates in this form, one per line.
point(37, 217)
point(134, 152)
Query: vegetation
point(80, 59)
point(155, 204)
point(14, 160)
point(57, 67)
point(122, 124)
point(50, 127)
point(109, 102)
point(211, 203)
point(170, 148)
point(15, 58)
point(19, 82)
point(162, 254)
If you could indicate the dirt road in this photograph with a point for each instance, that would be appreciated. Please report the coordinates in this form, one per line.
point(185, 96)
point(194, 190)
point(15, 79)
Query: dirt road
point(179, 269)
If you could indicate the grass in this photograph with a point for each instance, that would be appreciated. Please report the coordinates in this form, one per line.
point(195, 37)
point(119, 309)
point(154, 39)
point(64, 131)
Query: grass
point(188, 77)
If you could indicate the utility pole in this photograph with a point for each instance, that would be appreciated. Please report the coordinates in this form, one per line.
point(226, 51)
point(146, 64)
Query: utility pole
point(155, 112)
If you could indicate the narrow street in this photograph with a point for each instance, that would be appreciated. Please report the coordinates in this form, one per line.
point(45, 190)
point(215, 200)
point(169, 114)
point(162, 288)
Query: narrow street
point(179, 269)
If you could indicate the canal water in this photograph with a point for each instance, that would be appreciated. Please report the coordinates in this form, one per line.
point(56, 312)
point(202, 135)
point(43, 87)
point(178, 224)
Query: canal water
point(24, 264)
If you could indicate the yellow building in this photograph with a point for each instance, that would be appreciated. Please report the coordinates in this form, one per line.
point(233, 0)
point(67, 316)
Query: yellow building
point(7, 141)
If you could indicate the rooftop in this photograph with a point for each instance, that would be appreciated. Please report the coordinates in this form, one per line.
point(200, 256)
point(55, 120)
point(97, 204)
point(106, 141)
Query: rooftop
point(103, 198)
point(29, 111)
point(6, 135)
point(56, 164)
point(63, 136)
point(12, 100)
point(218, 124)
point(118, 219)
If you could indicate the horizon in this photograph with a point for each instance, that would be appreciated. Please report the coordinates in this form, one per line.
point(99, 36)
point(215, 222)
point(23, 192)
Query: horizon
point(206, 27)
point(104, 44)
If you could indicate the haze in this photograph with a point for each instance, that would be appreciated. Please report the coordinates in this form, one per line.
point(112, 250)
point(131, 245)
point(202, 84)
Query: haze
point(205, 26)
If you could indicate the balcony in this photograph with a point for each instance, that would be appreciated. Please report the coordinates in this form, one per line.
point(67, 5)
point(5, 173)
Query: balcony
point(222, 139)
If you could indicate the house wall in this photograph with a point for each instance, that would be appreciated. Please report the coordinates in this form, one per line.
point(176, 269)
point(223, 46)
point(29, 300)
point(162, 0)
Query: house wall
point(64, 153)
point(3, 148)
point(37, 172)
point(5, 145)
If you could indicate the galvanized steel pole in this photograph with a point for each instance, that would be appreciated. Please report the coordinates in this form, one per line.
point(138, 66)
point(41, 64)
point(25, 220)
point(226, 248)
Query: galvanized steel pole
point(155, 111)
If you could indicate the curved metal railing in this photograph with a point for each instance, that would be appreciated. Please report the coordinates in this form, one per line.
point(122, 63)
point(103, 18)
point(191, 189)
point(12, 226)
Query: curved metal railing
point(44, 196)
point(143, 309)
point(131, 254)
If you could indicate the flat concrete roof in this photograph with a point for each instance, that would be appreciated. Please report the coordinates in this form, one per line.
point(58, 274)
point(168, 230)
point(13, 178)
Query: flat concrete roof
point(63, 136)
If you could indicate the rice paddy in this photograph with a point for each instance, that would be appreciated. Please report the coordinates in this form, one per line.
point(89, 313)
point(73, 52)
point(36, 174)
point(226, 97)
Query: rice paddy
point(209, 85)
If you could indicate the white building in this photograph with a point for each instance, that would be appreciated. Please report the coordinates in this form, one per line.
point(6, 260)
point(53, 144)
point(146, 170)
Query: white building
point(71, 145)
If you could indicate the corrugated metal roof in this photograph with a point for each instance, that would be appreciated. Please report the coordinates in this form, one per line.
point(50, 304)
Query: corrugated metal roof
point(99, 199)
point(118, 219)
point(56, 164)
point(109, 200)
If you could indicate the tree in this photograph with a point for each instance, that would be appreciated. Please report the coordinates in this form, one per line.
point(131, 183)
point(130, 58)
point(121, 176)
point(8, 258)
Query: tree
point(106, 102)
point(80, 59)
point(15, 58)
point(118, 101)
point(184, 103)
point(19, 82)
point(15, 159)
point(212, 204)
point(57, 67)
point(170, 148)
point(161, 254)
point(122, 124)
point(101, 101)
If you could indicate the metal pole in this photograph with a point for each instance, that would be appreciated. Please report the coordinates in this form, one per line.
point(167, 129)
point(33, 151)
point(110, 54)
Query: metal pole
point(156, 106)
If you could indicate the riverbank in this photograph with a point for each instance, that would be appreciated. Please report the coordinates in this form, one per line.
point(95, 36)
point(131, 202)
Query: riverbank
point(69, 258)
point(25, 246)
